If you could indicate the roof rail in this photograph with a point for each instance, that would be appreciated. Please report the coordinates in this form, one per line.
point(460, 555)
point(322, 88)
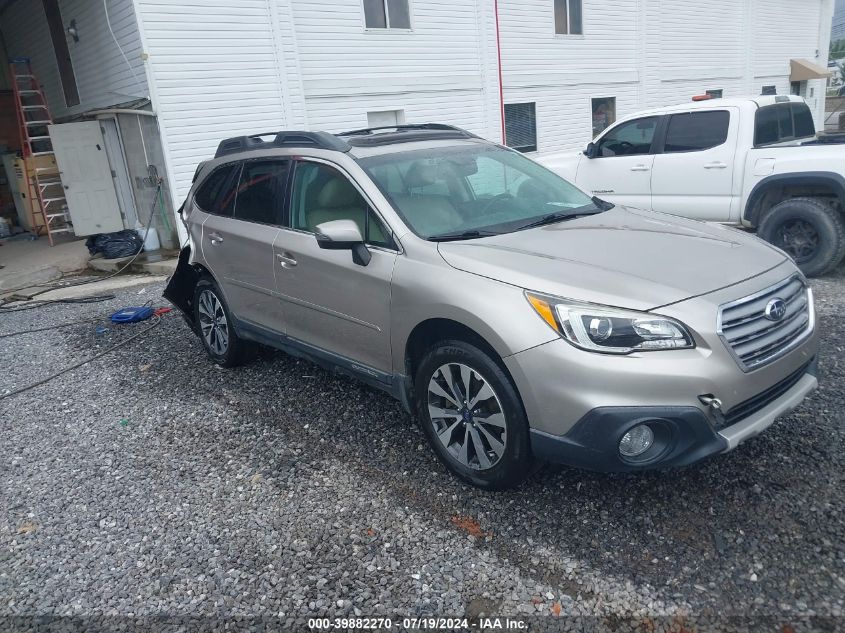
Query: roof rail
point(285, 138)
point(411, 127)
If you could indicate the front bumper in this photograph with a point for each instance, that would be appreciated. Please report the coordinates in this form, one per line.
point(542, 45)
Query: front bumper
point(579, 404)
point(684, 435)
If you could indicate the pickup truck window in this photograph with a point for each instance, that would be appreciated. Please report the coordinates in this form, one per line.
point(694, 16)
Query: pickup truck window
point(696, 131)
point(629, 139)
point(783, 122)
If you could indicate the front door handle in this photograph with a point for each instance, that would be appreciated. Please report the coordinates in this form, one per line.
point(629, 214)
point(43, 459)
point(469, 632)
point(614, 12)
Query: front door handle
point(716, 165)
point(640, 168)
point(215, 238)
point(286, 260)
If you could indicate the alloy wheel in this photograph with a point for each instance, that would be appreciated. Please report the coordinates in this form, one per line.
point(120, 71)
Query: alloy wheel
point(213, 323)
point(467, 416)
point(800, 239)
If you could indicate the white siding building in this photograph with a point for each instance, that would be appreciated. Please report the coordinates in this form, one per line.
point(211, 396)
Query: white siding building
point(558, 70)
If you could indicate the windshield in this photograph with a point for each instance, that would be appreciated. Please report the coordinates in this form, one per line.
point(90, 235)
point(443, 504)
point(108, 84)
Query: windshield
point(478, 190)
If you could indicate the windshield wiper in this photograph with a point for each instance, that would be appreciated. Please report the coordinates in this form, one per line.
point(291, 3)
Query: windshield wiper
point(464, 235)
point(598, 206)
point(553, 218)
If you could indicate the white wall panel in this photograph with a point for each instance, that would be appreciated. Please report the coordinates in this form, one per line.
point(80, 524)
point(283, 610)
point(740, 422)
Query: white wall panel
point(103, 76)
point(215, 69)
point(440, 70)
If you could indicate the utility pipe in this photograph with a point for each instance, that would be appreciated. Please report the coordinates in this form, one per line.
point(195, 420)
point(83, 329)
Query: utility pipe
point(120, 111)
point(499, 58)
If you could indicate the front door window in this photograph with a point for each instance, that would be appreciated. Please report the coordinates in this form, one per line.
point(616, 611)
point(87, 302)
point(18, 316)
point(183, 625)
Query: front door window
point(631, 138)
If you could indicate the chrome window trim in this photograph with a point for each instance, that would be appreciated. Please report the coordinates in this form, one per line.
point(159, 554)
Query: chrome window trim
point(811, 323)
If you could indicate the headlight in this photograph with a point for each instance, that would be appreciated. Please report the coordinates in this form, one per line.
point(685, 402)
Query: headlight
point(610, 330)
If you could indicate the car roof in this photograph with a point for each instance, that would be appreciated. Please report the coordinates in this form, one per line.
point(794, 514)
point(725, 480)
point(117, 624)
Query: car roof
point(363, 142)
point(714, 104)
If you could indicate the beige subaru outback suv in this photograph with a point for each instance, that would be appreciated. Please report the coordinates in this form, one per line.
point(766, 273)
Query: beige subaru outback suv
point(518, 318)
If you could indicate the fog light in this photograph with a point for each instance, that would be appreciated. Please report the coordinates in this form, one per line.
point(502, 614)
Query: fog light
point(636, 441)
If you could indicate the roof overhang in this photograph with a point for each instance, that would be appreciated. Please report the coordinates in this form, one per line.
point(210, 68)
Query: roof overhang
point(803, 69)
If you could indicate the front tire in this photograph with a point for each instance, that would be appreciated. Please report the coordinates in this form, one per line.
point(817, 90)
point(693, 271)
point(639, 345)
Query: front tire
point(214, 324)
point(472, 415)
point(811, 232)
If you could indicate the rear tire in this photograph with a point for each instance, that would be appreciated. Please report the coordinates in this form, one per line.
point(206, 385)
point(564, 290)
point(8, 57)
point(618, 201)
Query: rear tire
point(811, 232)
point(215, 327)
point(473, 417)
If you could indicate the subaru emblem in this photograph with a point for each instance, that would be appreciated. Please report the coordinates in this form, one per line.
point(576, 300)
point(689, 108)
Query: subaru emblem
point(776, 309)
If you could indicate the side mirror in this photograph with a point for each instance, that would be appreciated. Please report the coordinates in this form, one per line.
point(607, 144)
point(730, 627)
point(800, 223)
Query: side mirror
point(591, 151)
point(343, 235)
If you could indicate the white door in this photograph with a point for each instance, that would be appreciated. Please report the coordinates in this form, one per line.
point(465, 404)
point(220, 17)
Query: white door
point(86, 177)
point(620, 170)
point(693, 175)
point(120, 172)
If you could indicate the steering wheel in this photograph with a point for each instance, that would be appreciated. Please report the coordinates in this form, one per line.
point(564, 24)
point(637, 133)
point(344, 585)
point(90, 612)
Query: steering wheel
point(624, 146)
point(495, 199)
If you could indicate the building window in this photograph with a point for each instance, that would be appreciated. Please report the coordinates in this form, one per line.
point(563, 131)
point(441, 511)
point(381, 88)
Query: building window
point(387, 14)
point(63, 60)
point(521, 126)
point(604, 114)
point(385, 118)
point(714, 94)
point(769, 90)
point(568, 17)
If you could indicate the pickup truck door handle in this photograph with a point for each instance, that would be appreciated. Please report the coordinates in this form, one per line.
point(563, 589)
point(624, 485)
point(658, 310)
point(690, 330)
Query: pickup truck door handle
point(715, 165)
point(640, 168)
point(215, 238)
point(286, 260)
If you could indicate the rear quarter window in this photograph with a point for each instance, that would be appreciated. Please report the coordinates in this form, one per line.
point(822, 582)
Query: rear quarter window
point(217, 192)
point(783, 122)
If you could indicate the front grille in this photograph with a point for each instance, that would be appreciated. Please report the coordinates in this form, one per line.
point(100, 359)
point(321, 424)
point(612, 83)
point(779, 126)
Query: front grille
point(762, 399)
point(756, 340)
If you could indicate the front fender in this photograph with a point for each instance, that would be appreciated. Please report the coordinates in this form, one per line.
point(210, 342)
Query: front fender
point(497, 312)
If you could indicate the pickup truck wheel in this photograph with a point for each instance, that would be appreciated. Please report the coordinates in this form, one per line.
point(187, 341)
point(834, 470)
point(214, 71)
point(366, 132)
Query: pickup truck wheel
point(811, 232)
point(472, 416)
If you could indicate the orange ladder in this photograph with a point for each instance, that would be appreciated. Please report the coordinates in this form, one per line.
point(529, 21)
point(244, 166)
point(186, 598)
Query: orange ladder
point(43, 178)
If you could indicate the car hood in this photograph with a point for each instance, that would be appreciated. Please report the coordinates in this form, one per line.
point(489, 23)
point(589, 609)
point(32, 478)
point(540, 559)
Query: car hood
point(623, 257)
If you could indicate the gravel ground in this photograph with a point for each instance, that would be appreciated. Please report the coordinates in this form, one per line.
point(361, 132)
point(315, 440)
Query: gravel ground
point(151, 482)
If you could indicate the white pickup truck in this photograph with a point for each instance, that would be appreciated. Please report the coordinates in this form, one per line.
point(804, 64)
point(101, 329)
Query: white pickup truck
point(751, 162)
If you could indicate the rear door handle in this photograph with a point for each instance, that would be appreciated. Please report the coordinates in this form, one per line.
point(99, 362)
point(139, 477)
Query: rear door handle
point(715, 165)
point(286, 260)
point(215, 238)
point(640, 168)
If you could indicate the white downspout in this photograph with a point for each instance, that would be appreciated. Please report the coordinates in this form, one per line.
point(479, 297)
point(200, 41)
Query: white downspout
point(825, 24)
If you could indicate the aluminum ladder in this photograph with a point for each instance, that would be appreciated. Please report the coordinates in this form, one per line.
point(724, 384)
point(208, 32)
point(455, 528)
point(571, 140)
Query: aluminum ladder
point(42, 177)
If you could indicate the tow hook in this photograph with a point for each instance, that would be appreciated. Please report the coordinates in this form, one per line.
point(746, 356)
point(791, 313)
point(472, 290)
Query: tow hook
point(714, 405)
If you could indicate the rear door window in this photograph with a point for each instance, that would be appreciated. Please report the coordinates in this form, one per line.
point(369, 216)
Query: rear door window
point(217, 194)
point(261, 191)
point(696, 131)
